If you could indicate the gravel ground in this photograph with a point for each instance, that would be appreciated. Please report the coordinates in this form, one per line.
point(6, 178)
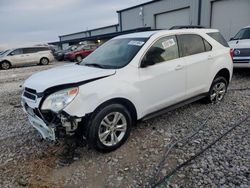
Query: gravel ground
point(25, 160)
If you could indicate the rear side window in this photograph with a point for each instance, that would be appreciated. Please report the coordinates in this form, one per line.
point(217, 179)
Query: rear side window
point(191, 44)
point(34, 50)
point(208, 46)
point(29, 50)
point(42, 49)
point(219, 38)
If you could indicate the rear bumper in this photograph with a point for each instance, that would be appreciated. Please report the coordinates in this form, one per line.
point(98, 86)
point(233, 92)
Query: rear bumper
point(69, 58)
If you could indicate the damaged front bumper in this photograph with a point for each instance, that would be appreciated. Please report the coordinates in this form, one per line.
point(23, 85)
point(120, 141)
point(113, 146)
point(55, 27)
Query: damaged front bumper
point(45, 131)
point(51, 126)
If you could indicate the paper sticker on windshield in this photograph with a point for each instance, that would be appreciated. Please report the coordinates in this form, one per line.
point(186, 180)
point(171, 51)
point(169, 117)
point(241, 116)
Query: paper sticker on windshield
point(136, 43)
point(168, 43)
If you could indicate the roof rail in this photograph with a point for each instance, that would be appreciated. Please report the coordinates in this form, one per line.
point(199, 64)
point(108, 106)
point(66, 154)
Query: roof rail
point(187, 27)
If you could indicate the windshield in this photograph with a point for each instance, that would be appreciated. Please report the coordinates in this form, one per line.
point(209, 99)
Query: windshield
point(80, 47)
point(4, 52)
point(243, 34)
point(115, 53)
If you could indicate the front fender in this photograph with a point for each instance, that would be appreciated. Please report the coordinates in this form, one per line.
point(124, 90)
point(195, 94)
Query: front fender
point(94, 94)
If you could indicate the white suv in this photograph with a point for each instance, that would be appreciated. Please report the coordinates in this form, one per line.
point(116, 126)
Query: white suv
point(129, 78)
point(25, 56)
point(240, 43)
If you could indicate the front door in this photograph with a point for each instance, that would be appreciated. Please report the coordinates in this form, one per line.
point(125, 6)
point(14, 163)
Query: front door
point(163, 82)
point(17, 57)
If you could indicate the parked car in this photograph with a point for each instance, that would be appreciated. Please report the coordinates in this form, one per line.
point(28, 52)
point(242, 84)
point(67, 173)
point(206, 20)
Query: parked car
point(25, 56)
point(2, 52)
point(59, 55)
point(80, 53)
point(240, 43)
point(129, 78)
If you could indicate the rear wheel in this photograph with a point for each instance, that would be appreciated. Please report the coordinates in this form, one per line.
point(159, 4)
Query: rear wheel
point(217, 90)
point(109, 128)
point(44, 61)
point(5, 65)
point(78, 58)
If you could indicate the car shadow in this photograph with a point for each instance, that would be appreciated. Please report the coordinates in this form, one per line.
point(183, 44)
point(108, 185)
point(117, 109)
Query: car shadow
point(241, 72)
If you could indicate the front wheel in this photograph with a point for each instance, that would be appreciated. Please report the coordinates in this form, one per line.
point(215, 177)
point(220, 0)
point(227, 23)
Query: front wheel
point(217, 90)
point(5, 65)
point(78, 58)
point(109, 128)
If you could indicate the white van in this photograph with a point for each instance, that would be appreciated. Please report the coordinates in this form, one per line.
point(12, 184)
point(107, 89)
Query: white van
point(25, 56)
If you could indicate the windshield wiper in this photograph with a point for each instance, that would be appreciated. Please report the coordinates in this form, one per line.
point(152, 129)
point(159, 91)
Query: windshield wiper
point(94, 65)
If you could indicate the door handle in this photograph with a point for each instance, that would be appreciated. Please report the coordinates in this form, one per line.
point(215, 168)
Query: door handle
point(178, 67)
point(210, 57)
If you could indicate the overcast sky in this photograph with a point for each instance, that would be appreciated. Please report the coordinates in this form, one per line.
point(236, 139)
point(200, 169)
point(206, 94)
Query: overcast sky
point(25, 22)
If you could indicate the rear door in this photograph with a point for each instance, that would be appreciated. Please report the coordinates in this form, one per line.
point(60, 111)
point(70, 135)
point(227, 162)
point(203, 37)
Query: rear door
point(87, 50)
point(30, 55)
point(197, 55)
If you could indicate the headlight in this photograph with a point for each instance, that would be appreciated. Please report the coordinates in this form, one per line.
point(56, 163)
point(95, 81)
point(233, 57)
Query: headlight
point(59, 100)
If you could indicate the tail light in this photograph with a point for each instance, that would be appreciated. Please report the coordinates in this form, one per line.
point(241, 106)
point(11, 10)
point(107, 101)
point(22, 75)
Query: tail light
point(232, 53)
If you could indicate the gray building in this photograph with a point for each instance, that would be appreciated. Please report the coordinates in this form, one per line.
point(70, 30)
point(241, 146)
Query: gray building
point(226, 15)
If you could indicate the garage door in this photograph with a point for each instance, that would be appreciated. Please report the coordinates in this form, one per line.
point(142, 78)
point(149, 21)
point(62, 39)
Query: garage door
point(229, 16)
point(169, 19)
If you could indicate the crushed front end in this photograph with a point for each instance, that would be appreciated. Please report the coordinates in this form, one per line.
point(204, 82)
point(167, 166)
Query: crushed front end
point(51, 123)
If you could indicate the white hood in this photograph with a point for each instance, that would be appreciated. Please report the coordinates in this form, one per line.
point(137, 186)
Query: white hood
point(64, 75)
point(239, 43)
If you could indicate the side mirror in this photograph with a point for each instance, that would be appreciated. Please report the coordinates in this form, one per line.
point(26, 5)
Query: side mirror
point(12, 53)
point(231, 38)
point(146, 63)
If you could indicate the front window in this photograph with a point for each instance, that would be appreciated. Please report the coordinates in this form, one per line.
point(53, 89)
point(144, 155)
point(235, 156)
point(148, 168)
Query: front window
point(16, 52)
point(114, 54)
point(165, 49)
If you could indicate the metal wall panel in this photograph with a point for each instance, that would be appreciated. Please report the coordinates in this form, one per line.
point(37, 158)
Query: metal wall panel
point(169, 19)
point(229, 16)
point(73, 36)
point(103, 31)
point(94, 32)
point(144, 16)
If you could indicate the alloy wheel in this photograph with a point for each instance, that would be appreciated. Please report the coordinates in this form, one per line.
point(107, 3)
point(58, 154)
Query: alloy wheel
point(44, 61)
point(218, 92)
point(112, 129)
point(5, 65)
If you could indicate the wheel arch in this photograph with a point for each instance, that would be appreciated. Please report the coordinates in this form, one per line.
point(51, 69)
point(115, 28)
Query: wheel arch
point(43, 57)
point(224, 73)
point(123, 101)
point(5, 60)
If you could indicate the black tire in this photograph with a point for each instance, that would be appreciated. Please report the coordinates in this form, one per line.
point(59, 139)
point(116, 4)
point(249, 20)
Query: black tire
point(5, 65)
point(79, 58)
point(95, 127)
point(44, 61)
point(215, 96)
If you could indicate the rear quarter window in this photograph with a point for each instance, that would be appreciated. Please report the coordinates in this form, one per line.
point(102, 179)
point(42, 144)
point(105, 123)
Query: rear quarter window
point(219, 38)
